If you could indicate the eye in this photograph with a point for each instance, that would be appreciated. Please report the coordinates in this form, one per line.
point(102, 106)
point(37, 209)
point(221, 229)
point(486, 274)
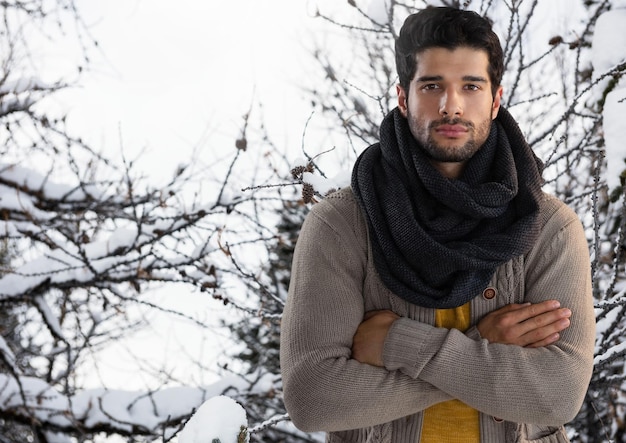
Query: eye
point(430, 86)
point(472, 87)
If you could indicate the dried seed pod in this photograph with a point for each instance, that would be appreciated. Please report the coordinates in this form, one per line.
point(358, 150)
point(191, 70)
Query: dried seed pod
point(297, 172)
point(241, 144)
point(308, 192)
point(556, 40)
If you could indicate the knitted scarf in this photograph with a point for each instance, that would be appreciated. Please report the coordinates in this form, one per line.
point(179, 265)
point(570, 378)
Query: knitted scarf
point(437, 241)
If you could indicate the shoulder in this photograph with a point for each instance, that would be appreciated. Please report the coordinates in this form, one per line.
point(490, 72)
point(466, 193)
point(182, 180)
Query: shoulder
point(335, 226)
point(338, 214)
point(562, 233)
point(555, 215)
point(338, 206)
point(341, 199)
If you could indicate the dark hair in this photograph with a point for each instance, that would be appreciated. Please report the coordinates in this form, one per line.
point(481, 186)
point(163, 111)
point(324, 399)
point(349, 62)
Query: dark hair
point(447, 28)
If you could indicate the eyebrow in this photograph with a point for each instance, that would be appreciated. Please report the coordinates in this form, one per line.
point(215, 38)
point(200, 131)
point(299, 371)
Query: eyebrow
point(438, 78)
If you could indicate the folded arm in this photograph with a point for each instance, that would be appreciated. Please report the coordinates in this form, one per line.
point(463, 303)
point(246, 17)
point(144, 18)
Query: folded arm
point(520, 383)
point(325, 384)
point(324, 388)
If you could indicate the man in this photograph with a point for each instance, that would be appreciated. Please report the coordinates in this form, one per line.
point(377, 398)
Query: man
point(443, 297)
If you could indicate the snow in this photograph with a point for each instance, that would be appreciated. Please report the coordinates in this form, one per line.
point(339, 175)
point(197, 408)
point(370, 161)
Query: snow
point(609, 41)
point(32, 180)
point(57, 266)
point(614, 352)
point(324, 185)
point(615, 133)
point(14, 200)
point(608, 46)
point(219, 418)
point(128, 410)
point(16, 93)
point(23, 84)
point(49, 318)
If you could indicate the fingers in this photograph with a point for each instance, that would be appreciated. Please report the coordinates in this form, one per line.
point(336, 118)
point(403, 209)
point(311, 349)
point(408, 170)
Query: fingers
point(544, 329)
point(526, 311)
point(530, 325)
point(543, 324)
point(383, 313)
point(369, 338)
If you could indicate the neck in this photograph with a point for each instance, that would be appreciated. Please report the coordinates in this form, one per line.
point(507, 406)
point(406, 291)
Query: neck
point(449, 169)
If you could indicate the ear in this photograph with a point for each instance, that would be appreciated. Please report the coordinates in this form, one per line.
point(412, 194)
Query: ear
point(497, 99)
point(402, 100)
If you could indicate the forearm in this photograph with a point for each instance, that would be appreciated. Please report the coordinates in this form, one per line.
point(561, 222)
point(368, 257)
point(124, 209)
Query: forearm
point(338, 393)
point(324, 388)
point(541, 386)
point(545, 385)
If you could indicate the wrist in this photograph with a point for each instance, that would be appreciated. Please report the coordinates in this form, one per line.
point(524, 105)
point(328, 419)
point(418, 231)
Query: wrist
point(409, 345)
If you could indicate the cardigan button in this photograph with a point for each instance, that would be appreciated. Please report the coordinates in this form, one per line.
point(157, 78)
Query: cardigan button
point(489, 293)
point(498, 420)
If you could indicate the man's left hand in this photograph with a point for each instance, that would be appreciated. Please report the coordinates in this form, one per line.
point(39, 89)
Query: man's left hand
point(369, 339)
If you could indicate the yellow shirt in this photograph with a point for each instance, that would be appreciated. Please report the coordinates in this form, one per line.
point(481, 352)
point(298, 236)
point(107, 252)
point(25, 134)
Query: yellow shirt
point(451, 421)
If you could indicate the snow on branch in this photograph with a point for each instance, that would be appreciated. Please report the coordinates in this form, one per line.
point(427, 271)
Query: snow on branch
point(21, 94)
point(68, 220)
point(31, 399)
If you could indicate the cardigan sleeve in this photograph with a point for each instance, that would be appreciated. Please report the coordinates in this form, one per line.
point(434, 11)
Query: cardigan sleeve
point(544, 386)
point(324, 389)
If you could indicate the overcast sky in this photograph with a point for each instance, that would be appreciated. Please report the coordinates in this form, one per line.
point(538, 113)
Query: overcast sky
point(173, 76)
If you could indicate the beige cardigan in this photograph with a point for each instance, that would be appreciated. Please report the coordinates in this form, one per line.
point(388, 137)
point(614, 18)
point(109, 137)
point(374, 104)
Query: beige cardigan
point(523, 394)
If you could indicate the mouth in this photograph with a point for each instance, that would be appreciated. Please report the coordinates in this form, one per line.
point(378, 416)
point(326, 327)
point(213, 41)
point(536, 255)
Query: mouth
point(451, 128)
point(451, 131)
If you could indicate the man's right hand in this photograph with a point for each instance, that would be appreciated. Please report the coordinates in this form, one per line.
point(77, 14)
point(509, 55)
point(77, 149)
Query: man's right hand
point(528, 325)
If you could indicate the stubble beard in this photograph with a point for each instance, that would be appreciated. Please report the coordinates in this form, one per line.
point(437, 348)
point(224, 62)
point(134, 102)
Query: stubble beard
point(449, 153)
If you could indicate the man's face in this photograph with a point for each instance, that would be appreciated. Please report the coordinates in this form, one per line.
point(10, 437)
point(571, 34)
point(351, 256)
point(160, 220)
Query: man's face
point(449, 105)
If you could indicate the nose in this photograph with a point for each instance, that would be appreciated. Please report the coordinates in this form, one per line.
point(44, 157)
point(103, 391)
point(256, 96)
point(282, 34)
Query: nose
point(450, 104)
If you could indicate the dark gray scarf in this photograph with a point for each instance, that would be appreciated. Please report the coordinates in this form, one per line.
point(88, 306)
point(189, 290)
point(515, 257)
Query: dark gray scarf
point(437, 241)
